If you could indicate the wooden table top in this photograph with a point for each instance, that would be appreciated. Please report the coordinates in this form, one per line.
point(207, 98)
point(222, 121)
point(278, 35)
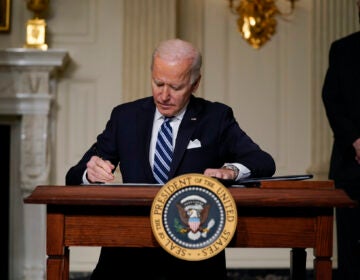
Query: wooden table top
point(268, 194)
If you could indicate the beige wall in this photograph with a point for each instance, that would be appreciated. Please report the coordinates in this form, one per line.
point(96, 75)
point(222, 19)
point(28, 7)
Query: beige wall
point(274, 91)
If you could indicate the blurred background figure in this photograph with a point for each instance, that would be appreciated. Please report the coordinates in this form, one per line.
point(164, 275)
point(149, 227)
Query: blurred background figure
point(341, 97)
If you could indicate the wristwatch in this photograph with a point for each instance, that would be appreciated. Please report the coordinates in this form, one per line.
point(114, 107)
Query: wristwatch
point(233, 168)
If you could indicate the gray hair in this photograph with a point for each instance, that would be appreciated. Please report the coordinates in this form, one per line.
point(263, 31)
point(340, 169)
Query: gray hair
point(177, 49)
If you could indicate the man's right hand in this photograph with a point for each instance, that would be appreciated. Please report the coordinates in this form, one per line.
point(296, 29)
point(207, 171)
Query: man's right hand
point(99, 170)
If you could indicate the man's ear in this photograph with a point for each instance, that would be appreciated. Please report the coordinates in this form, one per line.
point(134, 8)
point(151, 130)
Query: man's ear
point(196, 84)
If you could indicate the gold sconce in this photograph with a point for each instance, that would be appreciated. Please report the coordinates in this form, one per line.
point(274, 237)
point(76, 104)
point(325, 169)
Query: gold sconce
point(256, 19)
point(36, 27)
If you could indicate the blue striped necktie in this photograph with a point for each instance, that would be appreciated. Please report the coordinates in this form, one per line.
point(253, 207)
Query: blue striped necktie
point(163, 152)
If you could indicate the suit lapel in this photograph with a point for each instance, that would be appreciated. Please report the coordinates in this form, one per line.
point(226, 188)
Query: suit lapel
point(186, 130)
point(145, 123)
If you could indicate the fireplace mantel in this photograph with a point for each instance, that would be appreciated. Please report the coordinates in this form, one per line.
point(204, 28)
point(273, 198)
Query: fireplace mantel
point(28, 85)
point(27, 89)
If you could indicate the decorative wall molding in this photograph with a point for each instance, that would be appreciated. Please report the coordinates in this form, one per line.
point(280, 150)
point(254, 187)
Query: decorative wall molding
point(75, 21)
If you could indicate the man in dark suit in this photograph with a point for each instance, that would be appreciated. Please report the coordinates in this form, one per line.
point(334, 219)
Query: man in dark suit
point(206, 138)
point(341, 97)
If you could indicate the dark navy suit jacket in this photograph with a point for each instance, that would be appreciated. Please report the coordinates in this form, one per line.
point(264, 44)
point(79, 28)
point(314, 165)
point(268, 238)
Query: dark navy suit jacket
point(126, 141)
point(341, 96)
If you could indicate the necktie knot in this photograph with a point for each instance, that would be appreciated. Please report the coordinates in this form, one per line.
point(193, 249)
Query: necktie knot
point(168, 119)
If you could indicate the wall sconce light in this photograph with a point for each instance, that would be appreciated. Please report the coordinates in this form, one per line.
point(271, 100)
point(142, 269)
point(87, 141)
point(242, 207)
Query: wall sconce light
point(256, 19)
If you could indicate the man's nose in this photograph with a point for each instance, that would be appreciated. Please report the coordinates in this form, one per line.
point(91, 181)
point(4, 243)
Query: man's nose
point(165, 92)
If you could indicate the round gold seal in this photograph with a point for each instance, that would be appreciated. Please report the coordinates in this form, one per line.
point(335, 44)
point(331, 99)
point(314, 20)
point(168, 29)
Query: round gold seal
point(193, 217)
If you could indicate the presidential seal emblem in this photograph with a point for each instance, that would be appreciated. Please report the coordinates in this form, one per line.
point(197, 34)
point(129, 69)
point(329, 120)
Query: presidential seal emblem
point(193, 217)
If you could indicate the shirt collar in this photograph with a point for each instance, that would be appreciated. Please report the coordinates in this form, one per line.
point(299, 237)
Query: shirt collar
point(178, 116)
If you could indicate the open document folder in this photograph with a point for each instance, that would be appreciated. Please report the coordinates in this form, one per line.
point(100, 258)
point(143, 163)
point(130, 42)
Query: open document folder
point(247, 182)
point(255, 182)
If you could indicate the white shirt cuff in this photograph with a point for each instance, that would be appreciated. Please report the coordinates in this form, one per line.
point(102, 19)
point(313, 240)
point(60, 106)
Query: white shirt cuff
point(84, 178)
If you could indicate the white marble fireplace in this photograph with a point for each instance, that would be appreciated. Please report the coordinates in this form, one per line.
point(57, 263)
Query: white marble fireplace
point(28, 82)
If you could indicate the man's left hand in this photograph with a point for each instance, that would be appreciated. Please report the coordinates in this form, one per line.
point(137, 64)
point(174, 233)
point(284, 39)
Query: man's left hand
point(220, 173)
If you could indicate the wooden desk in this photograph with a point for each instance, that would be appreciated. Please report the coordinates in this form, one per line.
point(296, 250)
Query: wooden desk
point(279, 214)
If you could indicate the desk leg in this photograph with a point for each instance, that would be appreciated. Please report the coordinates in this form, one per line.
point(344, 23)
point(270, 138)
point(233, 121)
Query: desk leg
point(323, 268)
point(323, 248)
point(58, 254)
point(298, 264)
point(58, 268)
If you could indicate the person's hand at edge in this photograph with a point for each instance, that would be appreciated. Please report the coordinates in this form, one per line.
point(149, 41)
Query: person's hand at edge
point(356, 146)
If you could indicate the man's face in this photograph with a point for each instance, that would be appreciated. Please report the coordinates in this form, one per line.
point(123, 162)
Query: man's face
point(171, 87)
